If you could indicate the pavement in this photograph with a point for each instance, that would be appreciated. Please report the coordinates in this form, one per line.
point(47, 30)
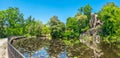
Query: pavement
point(3, 48)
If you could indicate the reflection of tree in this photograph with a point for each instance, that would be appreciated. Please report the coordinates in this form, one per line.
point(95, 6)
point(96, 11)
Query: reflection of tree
point(72, 47)
point(76, 49)
point(55, 48)
point(30, 45)
point(110, 51)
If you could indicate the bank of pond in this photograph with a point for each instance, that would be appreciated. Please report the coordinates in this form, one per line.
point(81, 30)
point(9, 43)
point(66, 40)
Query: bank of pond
point(62, 48)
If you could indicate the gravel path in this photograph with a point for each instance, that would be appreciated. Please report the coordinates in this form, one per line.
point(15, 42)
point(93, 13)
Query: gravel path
point(3, 48)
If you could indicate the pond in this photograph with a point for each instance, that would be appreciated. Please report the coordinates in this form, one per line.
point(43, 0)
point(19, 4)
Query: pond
point(61, 48)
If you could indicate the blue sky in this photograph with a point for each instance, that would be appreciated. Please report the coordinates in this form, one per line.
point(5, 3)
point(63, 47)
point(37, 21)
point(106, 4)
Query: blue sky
point(43, 10)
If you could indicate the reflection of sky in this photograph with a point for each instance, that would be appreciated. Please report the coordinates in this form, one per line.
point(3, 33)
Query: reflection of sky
point(41, 54)
point(44, 54)
point(26, 55)
point(63, 55)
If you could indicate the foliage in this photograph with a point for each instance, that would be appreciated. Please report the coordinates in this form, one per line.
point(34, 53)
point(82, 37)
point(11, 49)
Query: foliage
point(12, 23)
point(83, 16)
point(72, 30)
point(33, 27)
point(76, 25)
point(82, 21)
point(86, 10)
point(56, 27)
point(45, 30)
point(109, 15)
point(2, 16)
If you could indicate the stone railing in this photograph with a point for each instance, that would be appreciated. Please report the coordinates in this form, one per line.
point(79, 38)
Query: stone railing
point(12, 51)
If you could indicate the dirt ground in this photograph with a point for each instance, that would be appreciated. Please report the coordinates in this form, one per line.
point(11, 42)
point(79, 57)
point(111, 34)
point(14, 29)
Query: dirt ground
point(3, 48)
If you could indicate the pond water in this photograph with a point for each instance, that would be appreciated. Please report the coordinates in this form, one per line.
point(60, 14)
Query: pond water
point(58, 48)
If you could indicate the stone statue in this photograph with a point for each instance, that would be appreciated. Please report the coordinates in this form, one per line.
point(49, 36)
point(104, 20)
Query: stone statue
point(91, 35)
point(94, 21)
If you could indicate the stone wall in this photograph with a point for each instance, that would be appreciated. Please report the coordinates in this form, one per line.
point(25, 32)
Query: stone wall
point(12, 51)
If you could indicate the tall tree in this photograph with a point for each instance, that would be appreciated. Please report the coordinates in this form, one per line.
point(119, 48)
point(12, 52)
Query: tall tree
point(2, 19)
point(45, 30)
point(57, 27)
point(72, 29)
point(13, 22)
point(84, 16)
point(82, 22)
point(109, 15)
point(32, 27)
point(88, 11)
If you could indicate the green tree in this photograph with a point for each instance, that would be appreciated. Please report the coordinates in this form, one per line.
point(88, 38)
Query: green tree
point(83, 16)
point(28, 24)
point(79, 23)
point(32, 27)
point(109, 15)
point(72, 29)
point(86, 10)
point(45, 30)
point(2, 19)
point(82, 22)
point(56, 27)
point(13, 22)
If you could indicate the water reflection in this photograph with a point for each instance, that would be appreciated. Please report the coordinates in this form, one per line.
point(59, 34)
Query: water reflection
point(110, 51)
point(55, 48)
point(41, 48)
